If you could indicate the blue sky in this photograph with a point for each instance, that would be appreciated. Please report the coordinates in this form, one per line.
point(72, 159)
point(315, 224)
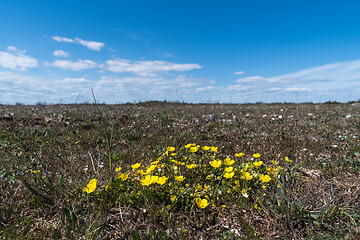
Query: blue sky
point(192, 51)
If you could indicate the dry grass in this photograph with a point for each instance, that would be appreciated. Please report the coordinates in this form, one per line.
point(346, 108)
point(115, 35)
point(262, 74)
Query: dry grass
point(316, 197)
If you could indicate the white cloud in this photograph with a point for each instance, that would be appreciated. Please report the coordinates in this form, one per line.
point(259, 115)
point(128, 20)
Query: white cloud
point(96, 46)
point(75, 66)
point(145, 68)
point(62, 39)
point(20, 88)
point(140, 88)
point(337, 81)
point(239, 73)
point(253, 79)
point(297, 89)
point(61, 53)
point(73, 81)
point(341, 71)
point(205, 89)
point(15, 50)
point(16, 60)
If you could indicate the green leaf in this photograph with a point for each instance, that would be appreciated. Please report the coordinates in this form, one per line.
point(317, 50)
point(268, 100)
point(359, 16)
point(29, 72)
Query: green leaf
point(67, 214)
point(74, 219)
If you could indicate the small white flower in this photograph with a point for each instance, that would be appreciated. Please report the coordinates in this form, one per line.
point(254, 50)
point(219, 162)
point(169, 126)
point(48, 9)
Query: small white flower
point(280, 116)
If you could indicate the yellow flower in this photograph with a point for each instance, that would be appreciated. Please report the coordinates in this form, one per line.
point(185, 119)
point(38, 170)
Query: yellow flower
point(256, 155)
point(140, 172)
point(228, 161)
point(257, 207)
point(33, 171)
point(118, 169)
point(216, 163)
point(275, 162)
point(258, 164)
point(172, 198)
point(91, 186)
point(265, 178)
point(239, 154)
point(191, 166)
point(244, 193)
point(264, 187)
point(214, 149)
point(155, 162)
point(198, 187)
point(229, 169)
point(150, 169)
point(194, 149)
point(272, 171)
point(208, 177)
point(162, 180)
point(288, 160)
point(247, 176)
point(148, 180)
point(135, 166)
point(189, 145)
point(170, 149)
point(173, 154)
point(205, 148)
point(201, 203)
point(206, 187)
point(229, 174)
point(179, 178)
point(123, 176)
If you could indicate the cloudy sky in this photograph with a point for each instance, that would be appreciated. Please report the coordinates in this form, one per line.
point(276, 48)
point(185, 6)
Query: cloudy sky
point(193, 51)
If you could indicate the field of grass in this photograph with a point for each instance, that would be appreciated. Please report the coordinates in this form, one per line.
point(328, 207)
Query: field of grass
point(159, 170)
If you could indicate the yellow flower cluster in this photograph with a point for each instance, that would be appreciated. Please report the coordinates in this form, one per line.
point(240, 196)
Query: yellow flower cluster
point(194, 172)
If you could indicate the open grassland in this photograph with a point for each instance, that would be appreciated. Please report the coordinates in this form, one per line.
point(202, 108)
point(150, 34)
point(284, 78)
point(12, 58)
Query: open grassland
point(160, 170)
